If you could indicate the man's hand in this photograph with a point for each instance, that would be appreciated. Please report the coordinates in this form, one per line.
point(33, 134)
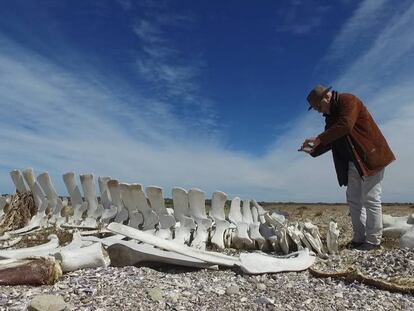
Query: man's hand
point(310, 144)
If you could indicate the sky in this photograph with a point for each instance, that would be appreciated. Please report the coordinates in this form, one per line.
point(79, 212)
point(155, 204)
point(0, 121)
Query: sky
point(200, 94)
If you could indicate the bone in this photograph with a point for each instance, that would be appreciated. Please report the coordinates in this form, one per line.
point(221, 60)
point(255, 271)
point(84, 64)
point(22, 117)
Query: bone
point(136, 219)
point(28, 175)
point(281, 233)
point(18, 181)
point(110, 210)
point(39, 250)
point(246, 212)
point(180, 201)
point(332, 238)
point(254, 233)
point(94, 210)
point(150, 217)
point(256, 264)
point(248, 264)
point(130, 253)
point(38, 271)
point(260, 210)
point(103, 188)
point(218, 237)
point(240, 237)
point(211, 257)
point(184, 232)
point(54, 202)
point(114, 191)
point(196, 200)
point(75, 197)
point(201, 233)
point(91, 256)
point(235, 215)
point(217, 205)
point(294, 234)
point(156, 199)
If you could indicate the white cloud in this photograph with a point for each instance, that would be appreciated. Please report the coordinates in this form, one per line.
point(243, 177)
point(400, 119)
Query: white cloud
point(59, 121)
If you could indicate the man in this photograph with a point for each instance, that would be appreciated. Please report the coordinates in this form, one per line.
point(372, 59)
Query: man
point(360, 153)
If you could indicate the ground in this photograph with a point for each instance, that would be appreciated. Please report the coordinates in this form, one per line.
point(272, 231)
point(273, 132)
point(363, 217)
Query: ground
point(172, 288)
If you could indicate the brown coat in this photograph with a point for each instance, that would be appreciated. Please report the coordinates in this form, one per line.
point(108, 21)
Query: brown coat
point(349, 118)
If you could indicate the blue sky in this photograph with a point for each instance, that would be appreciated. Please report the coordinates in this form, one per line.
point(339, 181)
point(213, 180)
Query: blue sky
point(202, 94)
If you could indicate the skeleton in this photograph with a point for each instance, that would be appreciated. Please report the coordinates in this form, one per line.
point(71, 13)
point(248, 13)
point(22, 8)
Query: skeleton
point(179, 236)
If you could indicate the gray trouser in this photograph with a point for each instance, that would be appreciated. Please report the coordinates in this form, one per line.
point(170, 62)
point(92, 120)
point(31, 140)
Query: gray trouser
point(364, 199)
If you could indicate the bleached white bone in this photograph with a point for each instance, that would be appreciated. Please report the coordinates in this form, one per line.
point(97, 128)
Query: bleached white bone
point(298, 261)
point(282, 237)
point(122, 213)
point(217, 205)
point(128, 253)
point(156, 199)
point(260, 210)
point(180, 202)
point(240, 236)
point(254, 233)
point(150, 217)
point(211, 257)
point(79, 207)
point(235, 215)
point(202, 233)
point(136, 219)
point(39, 250)
point(246, 212)
point(248, 264)
point(94, 210)
point(54, 202)
point(28, 175)
point(184, 232)
point(218, 236)
point(197, 204)
point(103, 188)
point(332, 238)
point(255, 214)
point(18, 181)
point(86, 257)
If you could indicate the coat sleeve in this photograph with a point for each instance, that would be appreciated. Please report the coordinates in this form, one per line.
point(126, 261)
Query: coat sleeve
point(348, 110)
point(321, 149)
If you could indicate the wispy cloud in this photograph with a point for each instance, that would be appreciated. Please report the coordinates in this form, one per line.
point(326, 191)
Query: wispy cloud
point(58, 120)
point(300, 17)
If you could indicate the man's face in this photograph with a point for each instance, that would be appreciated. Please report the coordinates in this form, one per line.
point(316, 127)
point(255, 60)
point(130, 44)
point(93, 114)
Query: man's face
point(324, 105)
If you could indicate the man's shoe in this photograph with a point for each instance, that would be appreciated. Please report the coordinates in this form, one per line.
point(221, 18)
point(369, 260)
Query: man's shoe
point(368, 247)
point(353, 244)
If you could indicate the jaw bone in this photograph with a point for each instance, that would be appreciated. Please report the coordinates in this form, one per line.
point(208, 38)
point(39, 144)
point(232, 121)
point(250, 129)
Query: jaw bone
point(122, 213)
point(248, 262)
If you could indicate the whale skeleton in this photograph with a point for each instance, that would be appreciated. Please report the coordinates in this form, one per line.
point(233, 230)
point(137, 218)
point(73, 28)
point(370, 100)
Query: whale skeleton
point(144, 229)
